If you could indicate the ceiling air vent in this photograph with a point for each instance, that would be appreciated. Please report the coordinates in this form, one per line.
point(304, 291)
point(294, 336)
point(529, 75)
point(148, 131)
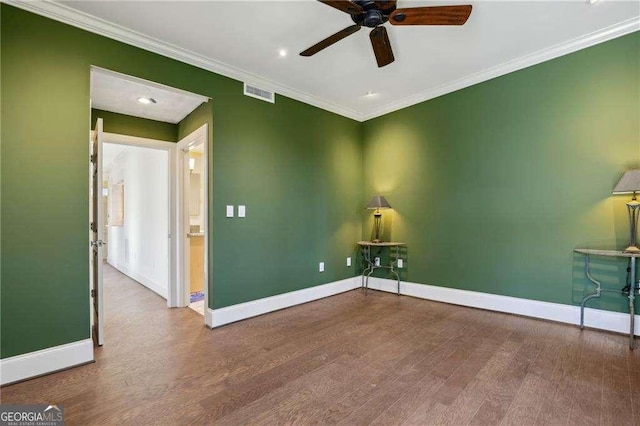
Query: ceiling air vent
point(258, 93)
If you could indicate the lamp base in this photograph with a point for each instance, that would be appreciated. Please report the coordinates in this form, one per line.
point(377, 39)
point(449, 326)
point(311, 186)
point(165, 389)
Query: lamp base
point(377, 219)
point(632, 249)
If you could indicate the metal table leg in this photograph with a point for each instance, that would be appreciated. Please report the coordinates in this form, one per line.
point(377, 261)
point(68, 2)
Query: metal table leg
point(372, 267)
point(366, 255)
point(597, 294)
point(632, 293)
point(365, 266)
point(366, 287)
point(393, 271)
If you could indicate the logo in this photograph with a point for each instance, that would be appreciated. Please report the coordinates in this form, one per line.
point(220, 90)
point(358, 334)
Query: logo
point(31, 415)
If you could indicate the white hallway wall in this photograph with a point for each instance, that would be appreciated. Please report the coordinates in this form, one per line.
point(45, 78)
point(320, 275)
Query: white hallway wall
point(140, 248)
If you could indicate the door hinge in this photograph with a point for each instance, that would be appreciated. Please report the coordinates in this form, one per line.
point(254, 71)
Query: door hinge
point(93, 227)
point(93, 293)
point(94, 158)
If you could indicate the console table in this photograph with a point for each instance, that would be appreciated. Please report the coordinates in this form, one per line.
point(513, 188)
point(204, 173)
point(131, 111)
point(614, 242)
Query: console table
point(370, 264)
point(632, 289)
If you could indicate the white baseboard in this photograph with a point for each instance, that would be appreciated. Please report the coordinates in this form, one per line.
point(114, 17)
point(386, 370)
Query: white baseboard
point(21, 367)
point(208, 317)
point(229, 314)
point(593, 318)
point(142, 279)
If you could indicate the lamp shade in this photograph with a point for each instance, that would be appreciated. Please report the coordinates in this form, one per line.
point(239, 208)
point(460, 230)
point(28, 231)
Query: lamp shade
point(629, 182)
point(378, 202)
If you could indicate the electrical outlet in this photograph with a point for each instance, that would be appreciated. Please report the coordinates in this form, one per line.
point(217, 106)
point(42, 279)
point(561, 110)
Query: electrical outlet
point(400, 263)
point(242, 211)
point(229, 211)
point(377, 261)
point(321, 267)
point(348, 261)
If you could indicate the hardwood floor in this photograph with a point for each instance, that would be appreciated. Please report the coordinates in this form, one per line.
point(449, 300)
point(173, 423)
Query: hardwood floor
point(347, 359)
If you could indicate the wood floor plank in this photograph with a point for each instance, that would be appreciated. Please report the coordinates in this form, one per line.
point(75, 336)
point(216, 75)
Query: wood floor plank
point(411, 398)
point(556, 406)
point(350, 359)
point(617, 404)
point(586, 402)
point(262, 384)
point(499, 399)
point(633, 365)
point(434, 362)
point(523, 410)
point(467, 403)
point(379, 372)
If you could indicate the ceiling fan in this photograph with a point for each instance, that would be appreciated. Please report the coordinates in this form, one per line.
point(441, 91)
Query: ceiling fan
point(374, 13)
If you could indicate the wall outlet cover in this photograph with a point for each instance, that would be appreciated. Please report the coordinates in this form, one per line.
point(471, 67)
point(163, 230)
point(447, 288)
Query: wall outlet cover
point(400, 263)
point(348, 261)
point(242, 211)
point(229, 211)
point(321, 267)
point(377, 261)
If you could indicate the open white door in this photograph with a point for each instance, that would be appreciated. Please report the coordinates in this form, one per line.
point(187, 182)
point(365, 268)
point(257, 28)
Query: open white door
point(97, 228)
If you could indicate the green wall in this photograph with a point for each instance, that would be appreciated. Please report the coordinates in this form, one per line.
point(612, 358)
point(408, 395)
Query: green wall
point(285, 161)
point(196, 119)
point(493, 186)
point(303, 196)
point(133, 126)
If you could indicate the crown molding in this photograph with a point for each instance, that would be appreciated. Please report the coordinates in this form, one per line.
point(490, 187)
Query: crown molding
point(597, 37)
point(70, 16)
point(73, 17)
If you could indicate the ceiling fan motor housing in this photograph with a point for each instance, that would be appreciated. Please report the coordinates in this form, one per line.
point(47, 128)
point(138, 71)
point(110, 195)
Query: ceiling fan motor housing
point(373, 18)
point(373, 15)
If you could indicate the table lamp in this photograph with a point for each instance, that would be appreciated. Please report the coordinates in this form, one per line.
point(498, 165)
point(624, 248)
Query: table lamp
point(377, 202)
point(630, 184)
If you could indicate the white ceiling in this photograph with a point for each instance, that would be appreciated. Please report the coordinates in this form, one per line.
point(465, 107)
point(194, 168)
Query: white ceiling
point(241, 39)
point(118, 93)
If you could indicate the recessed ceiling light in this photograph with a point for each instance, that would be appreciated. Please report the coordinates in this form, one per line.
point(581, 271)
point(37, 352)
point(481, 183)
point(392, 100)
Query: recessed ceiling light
point(282, 53)
point(370, 94)
point(146, 101)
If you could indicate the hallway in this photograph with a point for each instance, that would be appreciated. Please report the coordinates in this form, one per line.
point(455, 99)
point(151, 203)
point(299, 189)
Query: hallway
point(147, 346)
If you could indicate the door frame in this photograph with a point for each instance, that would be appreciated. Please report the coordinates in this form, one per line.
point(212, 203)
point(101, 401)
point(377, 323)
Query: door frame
point(96, 232)
point(170, 147)
point(197, 137)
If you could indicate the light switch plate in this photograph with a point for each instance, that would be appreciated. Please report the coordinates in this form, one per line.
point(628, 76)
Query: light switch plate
point(242, 211)
point(377, 261)
point(321, 267)
point(229, 211)
point(348, 261)
point(400, 263)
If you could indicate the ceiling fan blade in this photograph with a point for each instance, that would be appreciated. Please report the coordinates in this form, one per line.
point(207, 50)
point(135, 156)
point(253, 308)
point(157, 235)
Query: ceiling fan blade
point(330, 40)
point(381, 46)
point(435, 15)
point(385, 4)
point(344, 5)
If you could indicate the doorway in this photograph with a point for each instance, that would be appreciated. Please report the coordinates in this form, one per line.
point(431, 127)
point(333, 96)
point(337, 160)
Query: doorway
point(193, 233)
point(137, 191)
point(129, 227)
